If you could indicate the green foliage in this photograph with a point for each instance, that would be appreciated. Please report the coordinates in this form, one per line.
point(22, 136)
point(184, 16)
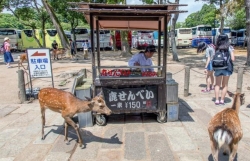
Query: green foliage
point(238, 20)
point(9, 21)
point(206, 16)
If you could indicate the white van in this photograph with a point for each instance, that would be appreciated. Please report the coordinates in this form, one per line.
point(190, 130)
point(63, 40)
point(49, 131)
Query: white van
point(183, 37)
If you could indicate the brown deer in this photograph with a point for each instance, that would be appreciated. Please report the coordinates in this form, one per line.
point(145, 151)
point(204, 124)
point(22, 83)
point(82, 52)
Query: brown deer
point(22, 58)
point(56, 52)
point(225, 129)
point(68, 105)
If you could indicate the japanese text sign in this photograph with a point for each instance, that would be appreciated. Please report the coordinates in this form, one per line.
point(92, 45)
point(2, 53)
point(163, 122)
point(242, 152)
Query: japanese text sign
point(39, 63)
point(131, 98)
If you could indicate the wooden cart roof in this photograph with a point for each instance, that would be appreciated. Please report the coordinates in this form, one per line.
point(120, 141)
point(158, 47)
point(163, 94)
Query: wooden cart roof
point(127, 17)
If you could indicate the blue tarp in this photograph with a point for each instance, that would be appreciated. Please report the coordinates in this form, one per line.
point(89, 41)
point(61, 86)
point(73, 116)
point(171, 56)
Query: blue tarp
point(198, 40)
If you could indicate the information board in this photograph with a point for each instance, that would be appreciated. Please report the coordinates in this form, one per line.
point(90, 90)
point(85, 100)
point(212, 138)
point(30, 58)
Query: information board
point(39, 63)
point(131, 98)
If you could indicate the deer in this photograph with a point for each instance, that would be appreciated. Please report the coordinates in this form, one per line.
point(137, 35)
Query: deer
point(225, 130)
point(56, 52)
point(22, 58)
point(68, 105)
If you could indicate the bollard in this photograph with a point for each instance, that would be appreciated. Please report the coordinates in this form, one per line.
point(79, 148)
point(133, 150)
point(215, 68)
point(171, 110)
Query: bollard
point(21, 86)
point(186, 83)
point(239, 80)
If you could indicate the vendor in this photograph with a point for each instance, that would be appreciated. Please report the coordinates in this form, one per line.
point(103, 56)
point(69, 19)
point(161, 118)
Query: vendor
point(143, 58)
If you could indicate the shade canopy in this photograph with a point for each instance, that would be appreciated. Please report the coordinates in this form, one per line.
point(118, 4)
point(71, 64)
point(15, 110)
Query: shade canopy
point(127, 17)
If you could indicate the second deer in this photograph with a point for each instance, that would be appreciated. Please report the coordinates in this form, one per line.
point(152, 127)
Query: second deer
point(68, 105)
point(57, 52)
point(225, 129)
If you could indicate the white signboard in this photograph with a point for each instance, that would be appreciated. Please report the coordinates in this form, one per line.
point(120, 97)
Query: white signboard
point(39, 63)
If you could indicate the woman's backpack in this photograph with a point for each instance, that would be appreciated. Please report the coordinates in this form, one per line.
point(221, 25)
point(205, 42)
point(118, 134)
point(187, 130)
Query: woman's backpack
point(2, 49)
point(221, 59)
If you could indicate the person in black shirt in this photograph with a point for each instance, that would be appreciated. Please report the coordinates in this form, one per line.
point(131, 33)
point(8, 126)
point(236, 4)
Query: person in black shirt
point(54, 49)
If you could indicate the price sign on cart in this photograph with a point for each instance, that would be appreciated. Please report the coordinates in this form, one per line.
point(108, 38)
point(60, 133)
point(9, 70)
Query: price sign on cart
point(39, 63)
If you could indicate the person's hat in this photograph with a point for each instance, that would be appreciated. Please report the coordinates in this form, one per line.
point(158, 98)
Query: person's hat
point(6, 38)
point(150, 48)
point(201, 47)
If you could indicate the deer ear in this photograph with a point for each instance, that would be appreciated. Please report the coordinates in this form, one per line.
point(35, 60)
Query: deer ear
point(242, 95)
point(88, 99)
point(99, 94)
point(230, 94)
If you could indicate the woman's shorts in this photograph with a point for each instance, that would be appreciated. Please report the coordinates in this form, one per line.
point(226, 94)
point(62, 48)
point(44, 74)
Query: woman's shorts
point(222, 72)
point(210, 67)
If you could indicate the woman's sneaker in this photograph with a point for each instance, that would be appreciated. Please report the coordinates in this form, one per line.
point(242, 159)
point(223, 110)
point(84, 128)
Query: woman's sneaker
point(205, 91)
point(217, 103)
point(222, 103)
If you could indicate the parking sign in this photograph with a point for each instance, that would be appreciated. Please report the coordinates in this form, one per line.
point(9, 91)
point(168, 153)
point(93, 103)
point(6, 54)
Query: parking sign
point(39, 63)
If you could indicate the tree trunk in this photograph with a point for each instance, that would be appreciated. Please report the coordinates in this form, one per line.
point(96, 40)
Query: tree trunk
point(125, 48)
point(247, 4)
point(113, 40)
point(34, 36)
point(56, 23)
point(222, 17)
point(43, 34)
point(173, 43)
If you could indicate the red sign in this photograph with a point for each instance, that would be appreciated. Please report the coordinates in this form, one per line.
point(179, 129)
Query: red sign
point(38, 54)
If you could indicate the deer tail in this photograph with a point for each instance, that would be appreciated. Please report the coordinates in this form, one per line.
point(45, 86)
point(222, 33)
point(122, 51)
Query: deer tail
point(222, 137)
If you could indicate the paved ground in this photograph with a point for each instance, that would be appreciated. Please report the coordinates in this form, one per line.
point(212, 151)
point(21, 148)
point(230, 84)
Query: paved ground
point(127, 137)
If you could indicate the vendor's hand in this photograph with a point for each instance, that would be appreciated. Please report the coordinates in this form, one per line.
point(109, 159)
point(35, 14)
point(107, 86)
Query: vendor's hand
point(136, 64)
point(205, 71)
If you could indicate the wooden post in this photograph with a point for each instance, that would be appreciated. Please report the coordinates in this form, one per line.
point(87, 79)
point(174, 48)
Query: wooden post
point(239, 80)
point(21, 86)
point(85, 72)
point(186, 83)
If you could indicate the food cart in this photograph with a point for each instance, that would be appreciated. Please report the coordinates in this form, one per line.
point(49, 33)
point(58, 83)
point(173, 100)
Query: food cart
point(127, 89)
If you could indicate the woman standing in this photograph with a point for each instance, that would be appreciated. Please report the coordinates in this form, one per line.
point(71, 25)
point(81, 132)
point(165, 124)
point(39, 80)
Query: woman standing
point(209, 53)
point(7, 54)
point(222, 75)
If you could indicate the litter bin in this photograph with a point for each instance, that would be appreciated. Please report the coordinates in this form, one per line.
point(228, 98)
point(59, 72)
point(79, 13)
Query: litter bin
point(173, 111)
point(172, 100)
point(85, 118)
point(82, 88)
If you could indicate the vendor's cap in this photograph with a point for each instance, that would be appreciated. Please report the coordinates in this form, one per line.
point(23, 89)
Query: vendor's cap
point(6, 38)
point(150, 48)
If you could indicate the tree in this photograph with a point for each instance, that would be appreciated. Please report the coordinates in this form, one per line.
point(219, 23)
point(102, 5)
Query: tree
point(237, 20)
point(247, 4)
point(73, 18)
point(206, 16)
point(56, 23)
point(28, 12)
point(172, 33)
point(9, 21)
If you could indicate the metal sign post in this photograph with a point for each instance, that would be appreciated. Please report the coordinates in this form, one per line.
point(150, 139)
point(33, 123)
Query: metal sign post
point(39, 64)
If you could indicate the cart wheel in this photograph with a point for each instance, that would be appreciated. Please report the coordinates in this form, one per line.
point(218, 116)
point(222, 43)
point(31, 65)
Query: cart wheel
point(161, 120)
point(100, 120)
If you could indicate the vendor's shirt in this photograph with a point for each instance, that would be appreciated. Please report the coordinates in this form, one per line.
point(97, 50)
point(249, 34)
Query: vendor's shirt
point(142, 60)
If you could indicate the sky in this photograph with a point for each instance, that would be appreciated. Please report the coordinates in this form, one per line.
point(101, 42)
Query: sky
point(191, 8)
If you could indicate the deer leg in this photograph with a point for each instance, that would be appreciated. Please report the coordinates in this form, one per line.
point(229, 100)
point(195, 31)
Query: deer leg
point(43, 121)
point(72, 123)
point(66, 131)
point(233, 149)
point(215, 150)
